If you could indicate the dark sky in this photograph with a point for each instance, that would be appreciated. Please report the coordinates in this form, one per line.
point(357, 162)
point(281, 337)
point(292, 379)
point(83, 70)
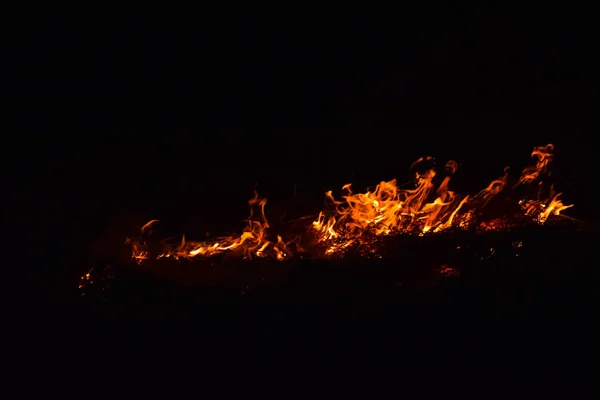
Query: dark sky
point(172, 80)
point(113, 115)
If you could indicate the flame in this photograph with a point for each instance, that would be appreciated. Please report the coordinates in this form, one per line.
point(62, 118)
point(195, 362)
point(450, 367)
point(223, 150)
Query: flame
point(542, 208)
point(252, 242)
point(547, 205)
point(358, 219)
point(389, 209)
point(426, 209)
point(543, 156)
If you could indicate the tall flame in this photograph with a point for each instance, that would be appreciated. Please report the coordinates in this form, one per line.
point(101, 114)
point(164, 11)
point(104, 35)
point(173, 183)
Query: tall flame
point(391, 210)
point(547, 205)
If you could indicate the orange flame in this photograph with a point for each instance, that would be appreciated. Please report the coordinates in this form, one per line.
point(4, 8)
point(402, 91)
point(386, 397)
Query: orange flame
point(544, 206)
point(391, 210)
point(252, 242)
point(387, 210)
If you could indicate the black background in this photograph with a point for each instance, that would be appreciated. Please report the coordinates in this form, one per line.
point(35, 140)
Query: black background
point(143, 114)
point(113, 122)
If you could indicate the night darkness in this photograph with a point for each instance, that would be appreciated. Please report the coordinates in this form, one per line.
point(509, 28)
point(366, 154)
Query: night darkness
point(139, 119)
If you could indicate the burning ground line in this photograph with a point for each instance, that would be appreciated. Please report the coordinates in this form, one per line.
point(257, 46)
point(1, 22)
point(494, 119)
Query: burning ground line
point(359, 219)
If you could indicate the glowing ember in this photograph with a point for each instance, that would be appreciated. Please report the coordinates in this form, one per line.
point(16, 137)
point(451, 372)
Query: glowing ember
point(447, 271)
point(359, 219)
point(88, 279)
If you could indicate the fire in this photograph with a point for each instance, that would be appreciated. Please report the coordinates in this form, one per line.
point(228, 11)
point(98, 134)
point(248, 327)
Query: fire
point(547, 205)
point(358, 219)
point(252, 242)
point(426, 209)
point(389, 209)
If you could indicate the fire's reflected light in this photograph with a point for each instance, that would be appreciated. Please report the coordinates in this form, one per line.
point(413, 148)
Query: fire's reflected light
point(358, 220)
point(446, 271)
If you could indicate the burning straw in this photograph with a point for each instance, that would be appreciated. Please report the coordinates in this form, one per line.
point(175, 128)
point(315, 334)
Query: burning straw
point(360, 222)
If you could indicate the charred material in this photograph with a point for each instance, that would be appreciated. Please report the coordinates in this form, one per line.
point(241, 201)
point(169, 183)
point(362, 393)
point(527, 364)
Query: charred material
point(401, 263)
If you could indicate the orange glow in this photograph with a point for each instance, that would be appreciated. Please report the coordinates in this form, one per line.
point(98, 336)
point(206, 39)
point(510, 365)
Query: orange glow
point(252, 242)
point(357, 219)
